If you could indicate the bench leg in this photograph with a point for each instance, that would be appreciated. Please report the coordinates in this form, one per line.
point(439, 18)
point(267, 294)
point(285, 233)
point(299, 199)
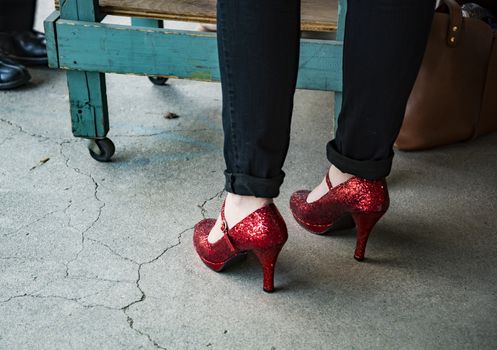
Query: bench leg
point(87, 91)
point(89, 112)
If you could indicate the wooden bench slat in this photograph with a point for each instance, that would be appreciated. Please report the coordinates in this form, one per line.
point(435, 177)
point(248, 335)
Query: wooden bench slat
point(114, 48)
point(317, 15)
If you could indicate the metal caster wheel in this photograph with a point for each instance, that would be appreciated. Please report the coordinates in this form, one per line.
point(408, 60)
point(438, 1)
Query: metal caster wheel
point(101, 150)
point(158, 80)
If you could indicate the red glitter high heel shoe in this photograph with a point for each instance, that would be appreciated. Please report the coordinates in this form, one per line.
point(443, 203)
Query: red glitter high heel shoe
point(263, 232)
point(357, 201)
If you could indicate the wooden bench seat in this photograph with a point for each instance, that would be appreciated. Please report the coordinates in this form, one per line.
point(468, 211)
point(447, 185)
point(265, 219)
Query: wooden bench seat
point(317, 15)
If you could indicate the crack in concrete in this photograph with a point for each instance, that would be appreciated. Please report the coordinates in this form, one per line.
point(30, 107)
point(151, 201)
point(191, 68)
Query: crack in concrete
point(22, 130)
point(31, 223)
point(95, 195)
point(29, 258)
point(60, 297)
point(83, 239)
point(149, 337)
point(126, 308)
point(110, 249)
point(44, 216)
point(96, 278)
point(140, 265)
point(78, 300)
point(143, 296)
point(69, 217)
point(202, 206)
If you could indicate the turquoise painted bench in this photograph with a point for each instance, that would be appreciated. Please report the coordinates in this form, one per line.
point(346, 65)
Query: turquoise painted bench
point(78, 42)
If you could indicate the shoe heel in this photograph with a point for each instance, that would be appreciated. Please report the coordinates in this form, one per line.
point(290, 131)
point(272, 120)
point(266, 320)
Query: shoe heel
point(267, 258)
point(365, 223)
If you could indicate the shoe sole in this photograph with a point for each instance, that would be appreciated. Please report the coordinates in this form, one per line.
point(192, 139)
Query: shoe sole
point(218, 267)
point(345, 222)
point(14, 84)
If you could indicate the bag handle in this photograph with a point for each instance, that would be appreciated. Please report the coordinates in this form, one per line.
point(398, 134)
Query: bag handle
point(455, 22)
point(453, 35)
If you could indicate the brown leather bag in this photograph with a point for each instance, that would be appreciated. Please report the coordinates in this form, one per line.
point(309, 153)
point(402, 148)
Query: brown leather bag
point(455, 95)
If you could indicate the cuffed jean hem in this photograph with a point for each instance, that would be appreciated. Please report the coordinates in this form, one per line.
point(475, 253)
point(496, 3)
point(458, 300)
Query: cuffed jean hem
point(247, 185)
point(367, 169)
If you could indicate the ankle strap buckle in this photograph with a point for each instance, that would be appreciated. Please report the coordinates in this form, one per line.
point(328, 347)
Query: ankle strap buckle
point(224, 226)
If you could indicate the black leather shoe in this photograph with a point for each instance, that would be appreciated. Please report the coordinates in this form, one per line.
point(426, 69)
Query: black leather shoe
point(12, 74)
point(26, 47)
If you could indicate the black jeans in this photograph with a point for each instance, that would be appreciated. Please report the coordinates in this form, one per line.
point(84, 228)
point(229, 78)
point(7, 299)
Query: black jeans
point(17, 15)
point(258, 44)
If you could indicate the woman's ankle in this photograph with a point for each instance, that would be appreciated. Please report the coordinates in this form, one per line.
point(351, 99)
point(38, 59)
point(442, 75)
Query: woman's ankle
point(233, 199)
point(236, 208)
point(338, 177)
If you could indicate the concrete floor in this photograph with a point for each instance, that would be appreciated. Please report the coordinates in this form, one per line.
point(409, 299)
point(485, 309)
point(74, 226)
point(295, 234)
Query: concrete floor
point(99, 256)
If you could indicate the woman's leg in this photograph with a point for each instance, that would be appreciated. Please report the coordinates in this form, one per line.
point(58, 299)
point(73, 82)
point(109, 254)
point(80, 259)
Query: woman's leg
point(258, 53)
point(384, 45)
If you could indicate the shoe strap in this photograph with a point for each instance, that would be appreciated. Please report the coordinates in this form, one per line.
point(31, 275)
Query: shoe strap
point(225, 229)
point(224, 223)
point(328, 181)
